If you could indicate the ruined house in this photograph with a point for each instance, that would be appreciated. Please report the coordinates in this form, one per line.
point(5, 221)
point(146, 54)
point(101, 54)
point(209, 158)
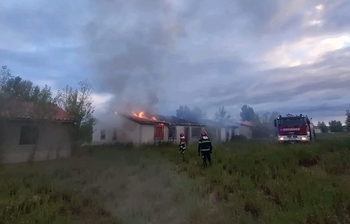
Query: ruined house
point(25, 136)
point(149, 129)
point(141, 129)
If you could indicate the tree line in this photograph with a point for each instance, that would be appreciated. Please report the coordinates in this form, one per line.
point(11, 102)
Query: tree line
point(263, 123)
point(336, 126)
point(77, 102)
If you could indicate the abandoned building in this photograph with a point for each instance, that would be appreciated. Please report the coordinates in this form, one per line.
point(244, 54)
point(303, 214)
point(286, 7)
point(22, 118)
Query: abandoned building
point(24, 136)
point(141, 129)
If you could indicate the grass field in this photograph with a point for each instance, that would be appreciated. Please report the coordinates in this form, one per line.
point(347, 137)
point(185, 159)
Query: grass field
point(250, 182)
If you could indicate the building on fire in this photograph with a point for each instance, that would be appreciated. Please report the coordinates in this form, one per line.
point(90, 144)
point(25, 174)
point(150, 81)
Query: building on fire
point(141, 129)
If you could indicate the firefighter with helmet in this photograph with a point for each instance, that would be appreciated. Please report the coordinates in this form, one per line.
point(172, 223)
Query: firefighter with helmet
point(205, 149)
point(182, 146)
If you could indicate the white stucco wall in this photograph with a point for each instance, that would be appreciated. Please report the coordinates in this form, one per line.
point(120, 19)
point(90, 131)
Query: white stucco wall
point(179, 129)
point(245, 131)
point(127, 131)
point(223, 134)
point(318, 131)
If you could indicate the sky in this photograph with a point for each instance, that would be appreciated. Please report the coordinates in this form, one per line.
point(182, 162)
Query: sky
point(286, 56)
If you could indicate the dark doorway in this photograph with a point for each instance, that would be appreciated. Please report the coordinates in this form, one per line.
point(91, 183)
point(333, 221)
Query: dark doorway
point(187, 134)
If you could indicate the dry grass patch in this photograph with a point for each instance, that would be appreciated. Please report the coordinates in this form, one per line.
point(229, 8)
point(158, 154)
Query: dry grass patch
point(100, 185)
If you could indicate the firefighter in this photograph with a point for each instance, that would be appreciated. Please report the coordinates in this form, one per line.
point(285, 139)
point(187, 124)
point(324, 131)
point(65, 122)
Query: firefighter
point(205, 148)
point(182, 146)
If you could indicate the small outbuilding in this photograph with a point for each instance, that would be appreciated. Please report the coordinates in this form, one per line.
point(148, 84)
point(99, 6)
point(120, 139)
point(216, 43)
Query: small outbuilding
point(29, 132)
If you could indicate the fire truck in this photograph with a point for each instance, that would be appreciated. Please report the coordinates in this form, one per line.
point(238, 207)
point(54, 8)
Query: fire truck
point(293, 129)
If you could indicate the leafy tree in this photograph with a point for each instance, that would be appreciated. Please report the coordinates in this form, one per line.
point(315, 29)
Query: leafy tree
point(78, 103)
point(335, 126)
point(248, 114)
point(5, 74)
point(263, 125)
point(222, 115)
point(197, 113)
point(185, 112)
point(323, 127)
point(14, 89)
point(347, 121)
point(268, 117)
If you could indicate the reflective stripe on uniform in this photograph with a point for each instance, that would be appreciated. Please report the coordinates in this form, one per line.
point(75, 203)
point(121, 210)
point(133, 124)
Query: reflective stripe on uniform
point(206, 141)
point(205, 150)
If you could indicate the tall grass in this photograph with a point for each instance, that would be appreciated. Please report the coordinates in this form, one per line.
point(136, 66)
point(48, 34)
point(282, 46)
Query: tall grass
point(250, 182)
point(271, 183)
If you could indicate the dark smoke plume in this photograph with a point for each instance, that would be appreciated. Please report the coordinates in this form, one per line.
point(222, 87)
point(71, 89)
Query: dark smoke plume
point(128, 42)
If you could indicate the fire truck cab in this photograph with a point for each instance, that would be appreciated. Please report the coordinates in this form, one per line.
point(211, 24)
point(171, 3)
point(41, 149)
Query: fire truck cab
point(292, 129)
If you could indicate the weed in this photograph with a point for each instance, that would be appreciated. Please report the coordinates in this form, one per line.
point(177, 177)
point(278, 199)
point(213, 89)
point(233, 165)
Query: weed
point(250, 182)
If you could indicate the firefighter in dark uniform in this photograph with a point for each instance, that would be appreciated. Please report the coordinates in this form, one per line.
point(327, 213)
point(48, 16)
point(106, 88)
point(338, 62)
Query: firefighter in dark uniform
point(205, 148)
point(182, 146)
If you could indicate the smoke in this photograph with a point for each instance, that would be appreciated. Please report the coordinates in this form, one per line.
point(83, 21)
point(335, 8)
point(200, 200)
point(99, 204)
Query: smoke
point(128, 43)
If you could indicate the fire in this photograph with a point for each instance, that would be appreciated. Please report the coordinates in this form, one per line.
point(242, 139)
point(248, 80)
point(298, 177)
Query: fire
point(143, 116)
point(139, 115)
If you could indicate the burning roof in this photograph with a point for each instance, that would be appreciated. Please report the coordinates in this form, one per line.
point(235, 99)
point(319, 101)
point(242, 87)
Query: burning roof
point(145, 118)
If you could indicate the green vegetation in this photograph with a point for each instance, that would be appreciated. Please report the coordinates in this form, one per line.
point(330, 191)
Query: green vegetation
point(250, 182)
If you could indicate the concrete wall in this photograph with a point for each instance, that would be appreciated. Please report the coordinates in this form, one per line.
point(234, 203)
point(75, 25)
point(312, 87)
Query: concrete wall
point(148, 134)
point(318, 131)
point(54, 141)
point(223, 134)
point(127, 131)
point(244, 130)
point(179, 129)
point(230, 133)
point(217, 134)
point(194, 139)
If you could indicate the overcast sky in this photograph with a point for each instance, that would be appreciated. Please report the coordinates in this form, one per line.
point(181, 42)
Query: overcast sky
point(274, 55)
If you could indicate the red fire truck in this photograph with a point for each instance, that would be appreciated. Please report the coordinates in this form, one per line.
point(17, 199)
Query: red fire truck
point(292, 129)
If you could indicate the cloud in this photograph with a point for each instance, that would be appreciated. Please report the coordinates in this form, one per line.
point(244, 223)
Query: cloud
point(272, 55)
point(305, 51)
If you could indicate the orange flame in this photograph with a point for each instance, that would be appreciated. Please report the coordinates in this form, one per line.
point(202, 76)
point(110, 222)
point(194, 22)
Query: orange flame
point(142, 115)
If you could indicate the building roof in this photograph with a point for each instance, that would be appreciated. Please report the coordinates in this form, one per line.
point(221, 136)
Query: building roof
point(246, 123)
point(173, 120)
point(28, 111)
point(160, 119)
point(227, 123)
